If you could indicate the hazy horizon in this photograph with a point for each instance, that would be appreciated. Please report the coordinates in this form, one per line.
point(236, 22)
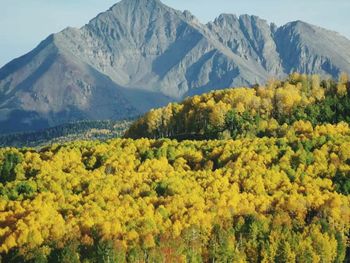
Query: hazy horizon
point(25, 23)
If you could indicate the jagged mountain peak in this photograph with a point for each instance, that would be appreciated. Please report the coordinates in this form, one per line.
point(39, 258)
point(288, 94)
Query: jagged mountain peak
point(141, 54)
point(137, 2)
point(127, 4)
point(226, 18)
point(299, 27)
point(132, 8)
point(232, 19)
point(304, 28)
point(248, 17)
point(133, 18)
point(311, 49)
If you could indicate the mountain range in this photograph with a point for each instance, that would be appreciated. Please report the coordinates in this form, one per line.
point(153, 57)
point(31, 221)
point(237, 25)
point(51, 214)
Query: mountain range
point(142, 54)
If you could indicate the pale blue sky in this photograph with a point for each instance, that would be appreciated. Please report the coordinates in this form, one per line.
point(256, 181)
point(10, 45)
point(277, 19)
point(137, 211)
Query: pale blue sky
point(24, 23)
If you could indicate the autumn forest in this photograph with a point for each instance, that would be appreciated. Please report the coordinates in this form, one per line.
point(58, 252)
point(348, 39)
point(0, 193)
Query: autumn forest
point(259, 174)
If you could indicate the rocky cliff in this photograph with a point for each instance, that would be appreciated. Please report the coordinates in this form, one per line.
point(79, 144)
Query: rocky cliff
point(141, 54)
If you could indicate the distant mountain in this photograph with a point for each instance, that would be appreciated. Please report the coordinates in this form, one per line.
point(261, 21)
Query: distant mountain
point(142, 54)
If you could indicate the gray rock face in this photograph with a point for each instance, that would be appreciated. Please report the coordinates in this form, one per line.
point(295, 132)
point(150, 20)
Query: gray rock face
point(311, 49)
point(141, 54)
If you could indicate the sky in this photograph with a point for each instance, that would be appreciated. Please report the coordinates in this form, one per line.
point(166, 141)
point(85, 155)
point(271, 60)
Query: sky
point(24, 23)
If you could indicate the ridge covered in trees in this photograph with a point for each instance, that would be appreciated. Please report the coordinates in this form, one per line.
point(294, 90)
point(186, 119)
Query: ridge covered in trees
point(258, 111)
point(273, 185)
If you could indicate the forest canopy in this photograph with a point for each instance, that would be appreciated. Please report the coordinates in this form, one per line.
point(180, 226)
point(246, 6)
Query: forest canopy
point(271, 185)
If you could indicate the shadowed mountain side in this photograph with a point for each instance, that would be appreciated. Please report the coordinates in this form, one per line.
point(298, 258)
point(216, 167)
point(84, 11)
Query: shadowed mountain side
point(141, 54)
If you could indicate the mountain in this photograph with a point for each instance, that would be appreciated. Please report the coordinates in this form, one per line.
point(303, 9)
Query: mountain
point(142, 54)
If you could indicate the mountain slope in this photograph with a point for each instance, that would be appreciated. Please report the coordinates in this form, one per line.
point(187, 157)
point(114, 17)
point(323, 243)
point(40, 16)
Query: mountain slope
point(55, 87)
point(141, 54)
point(249, 37)
point(311, 49)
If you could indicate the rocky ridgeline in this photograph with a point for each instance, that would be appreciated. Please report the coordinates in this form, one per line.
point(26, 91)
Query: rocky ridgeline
point(141, 54)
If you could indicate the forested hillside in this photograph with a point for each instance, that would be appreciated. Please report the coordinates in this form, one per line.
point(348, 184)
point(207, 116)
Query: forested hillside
point(255, 200)
point(259, 111)
point(272, 184)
